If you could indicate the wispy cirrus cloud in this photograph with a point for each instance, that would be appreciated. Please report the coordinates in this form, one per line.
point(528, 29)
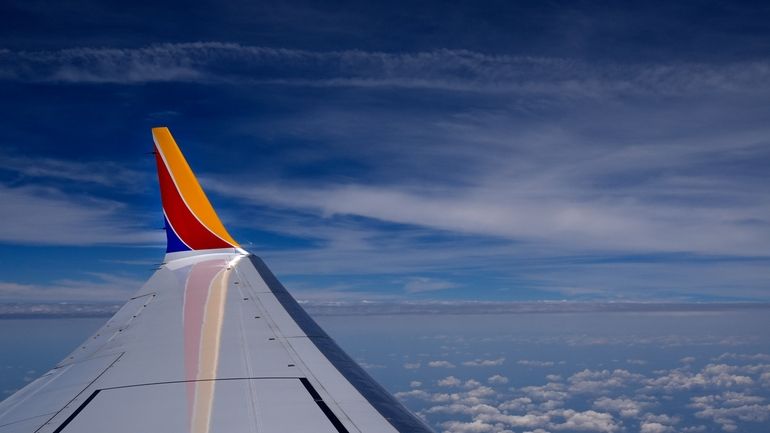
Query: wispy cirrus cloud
point(47, 216)
point(93, 287)
point(534, 166)
point(535, 363)
point(50, 201)
point(424, 284)
point(584, 185)
point(673, 179)
point(217, 62)
point(102, 173)
point(489, 210)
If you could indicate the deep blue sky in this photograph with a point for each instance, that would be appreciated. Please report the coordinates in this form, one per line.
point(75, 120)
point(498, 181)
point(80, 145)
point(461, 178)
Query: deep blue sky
point(472, 150)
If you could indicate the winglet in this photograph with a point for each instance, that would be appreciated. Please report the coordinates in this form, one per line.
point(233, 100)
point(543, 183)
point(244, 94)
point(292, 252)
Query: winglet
point(191, 222)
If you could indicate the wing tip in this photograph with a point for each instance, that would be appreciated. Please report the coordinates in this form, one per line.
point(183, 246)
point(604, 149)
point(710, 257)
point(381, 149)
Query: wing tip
point(191, 221)
point(159, 131)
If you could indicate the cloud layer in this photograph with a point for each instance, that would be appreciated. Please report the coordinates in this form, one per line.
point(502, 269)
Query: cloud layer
point(724, 395)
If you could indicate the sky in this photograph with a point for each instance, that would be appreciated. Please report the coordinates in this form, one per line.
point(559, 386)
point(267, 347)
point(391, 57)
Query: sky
point(395, 151)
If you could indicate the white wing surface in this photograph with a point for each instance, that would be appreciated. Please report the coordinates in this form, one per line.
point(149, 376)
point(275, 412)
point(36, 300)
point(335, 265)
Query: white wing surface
point(211, 343)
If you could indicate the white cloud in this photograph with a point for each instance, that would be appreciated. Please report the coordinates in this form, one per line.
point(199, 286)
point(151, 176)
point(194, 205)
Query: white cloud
point(528, 420)
point(437, 69)
point(46, 216)
point(484, 362)
point(587, 420)
point(449, 381)
point(497, 379)
point(368, 365)
point(460, 408)
point(605, 191)
point(555, 204)
point(574, 222)
point(415, 384)
point(521, 404)
point(104, 173)
point(411, 365)
point(468, 427)
point(422, 284)
point(472, 400)
point(625, 407)
point(440, 364)
point(547, 392)
point(599, 381)
point(712, 375)
point(765, 378)
point(415, 393)
point(481, 392)
point(654, 427)
point(743, 357)
point(532, 182)
point(728, 408)
point(471, 383)
point(660, 418)
point(531, 363)
point(94, 287)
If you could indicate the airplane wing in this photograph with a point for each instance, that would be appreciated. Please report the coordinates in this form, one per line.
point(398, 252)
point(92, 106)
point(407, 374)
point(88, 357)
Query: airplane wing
point(211, 343)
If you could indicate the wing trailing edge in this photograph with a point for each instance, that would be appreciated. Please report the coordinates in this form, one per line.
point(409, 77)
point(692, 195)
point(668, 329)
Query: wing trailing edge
point(190, 221)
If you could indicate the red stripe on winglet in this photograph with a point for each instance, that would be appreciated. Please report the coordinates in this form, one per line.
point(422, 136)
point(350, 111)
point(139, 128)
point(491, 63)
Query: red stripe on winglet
point(187, 227)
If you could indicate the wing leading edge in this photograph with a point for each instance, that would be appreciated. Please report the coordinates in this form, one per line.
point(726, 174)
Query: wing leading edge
point(211, 343)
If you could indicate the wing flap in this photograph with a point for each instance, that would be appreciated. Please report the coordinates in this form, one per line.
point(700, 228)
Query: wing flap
point(253, 405)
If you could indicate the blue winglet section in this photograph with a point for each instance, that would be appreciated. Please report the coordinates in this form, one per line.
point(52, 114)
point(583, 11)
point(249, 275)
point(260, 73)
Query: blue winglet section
point(173, 243)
